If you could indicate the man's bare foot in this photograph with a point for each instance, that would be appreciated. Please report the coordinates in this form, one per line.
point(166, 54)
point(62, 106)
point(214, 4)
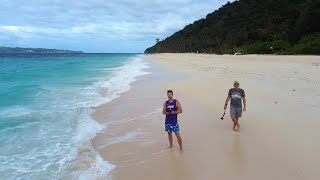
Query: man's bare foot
point(234, 129)
point(238, 129)
point(170, 147)
point(181, 150)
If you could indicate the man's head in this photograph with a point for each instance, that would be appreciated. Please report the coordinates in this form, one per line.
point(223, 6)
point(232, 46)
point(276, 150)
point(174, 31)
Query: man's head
point(170, 94)
point(236, 84)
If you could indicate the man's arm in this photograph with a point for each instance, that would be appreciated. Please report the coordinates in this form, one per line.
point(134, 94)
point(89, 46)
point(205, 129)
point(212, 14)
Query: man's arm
point(164, 111)
point(244, 103)
point(179, 111)
point(226, 103)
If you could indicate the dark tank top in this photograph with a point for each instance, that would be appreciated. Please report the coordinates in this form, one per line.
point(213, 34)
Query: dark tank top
point(171, 118)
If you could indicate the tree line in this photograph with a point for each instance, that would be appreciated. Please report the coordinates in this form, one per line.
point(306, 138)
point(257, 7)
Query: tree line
point(251, 27)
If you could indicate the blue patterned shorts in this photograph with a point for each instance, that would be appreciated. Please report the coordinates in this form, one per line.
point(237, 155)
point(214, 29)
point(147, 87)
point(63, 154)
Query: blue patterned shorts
point(174, 128)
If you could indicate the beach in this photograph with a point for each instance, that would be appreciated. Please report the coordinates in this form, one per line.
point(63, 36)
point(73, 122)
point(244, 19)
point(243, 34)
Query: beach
point(279, 130)
point(86, 90)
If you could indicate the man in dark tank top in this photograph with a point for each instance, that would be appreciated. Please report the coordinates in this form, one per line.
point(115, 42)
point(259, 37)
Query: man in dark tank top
point(171, 108)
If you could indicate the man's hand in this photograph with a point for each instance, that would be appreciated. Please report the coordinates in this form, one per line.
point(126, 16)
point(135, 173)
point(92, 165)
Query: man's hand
point(245, 108)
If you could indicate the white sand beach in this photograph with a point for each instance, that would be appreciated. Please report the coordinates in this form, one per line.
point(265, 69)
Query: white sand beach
point(279, 132)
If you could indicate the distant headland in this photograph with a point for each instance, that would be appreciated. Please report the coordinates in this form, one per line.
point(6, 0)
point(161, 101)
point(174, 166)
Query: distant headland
point(34, 50)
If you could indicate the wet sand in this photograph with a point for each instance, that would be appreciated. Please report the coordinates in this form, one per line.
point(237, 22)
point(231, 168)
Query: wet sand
point(279, 132)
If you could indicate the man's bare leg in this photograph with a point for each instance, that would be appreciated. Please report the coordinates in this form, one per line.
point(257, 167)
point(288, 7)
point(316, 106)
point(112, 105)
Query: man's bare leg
point(170, 139)
point(179, 141)
point(234, 127)
point(236, 124)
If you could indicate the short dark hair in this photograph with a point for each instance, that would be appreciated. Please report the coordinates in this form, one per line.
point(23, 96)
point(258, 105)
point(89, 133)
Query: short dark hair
point(169, 91)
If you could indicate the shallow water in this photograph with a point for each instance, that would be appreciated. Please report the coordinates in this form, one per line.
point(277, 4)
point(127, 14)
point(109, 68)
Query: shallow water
point(45, 106)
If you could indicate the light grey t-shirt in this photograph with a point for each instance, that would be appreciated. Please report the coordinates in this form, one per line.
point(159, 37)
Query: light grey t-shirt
point(236, 97)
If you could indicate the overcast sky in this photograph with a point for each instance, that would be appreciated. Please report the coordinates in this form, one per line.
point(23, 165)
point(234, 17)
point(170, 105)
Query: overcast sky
point(97, 25)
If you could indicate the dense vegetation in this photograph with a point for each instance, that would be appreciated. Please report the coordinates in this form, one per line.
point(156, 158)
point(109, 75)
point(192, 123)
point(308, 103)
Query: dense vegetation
point(33, 50)
point(251, 27)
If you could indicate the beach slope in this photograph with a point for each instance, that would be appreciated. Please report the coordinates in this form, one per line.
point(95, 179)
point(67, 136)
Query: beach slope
point(279, 131)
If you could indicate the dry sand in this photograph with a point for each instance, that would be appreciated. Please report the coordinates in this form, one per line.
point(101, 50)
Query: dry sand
point(279, 132)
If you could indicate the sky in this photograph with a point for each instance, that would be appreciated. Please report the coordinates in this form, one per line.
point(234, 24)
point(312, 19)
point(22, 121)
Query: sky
point(118, 26)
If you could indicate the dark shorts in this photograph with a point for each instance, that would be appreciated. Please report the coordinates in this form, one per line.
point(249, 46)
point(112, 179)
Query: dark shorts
point(175, 128)
point(237, 112)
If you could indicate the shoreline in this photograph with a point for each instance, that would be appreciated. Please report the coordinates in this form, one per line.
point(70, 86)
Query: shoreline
point(121, 131)
point(270, 139)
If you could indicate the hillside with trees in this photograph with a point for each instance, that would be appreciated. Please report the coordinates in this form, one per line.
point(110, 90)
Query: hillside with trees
point(251, 27)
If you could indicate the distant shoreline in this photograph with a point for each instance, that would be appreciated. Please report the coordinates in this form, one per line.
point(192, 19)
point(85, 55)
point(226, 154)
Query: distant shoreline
point(34, 50)
point(65, 53)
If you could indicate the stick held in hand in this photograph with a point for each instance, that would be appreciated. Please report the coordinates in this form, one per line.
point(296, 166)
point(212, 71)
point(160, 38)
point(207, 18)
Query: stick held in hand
point(223, 115)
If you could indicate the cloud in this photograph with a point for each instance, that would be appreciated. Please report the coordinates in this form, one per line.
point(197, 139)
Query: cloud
point(97, 25)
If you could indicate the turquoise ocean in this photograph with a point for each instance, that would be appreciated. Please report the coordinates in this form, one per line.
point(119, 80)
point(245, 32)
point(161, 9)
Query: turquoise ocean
point(45, 106)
